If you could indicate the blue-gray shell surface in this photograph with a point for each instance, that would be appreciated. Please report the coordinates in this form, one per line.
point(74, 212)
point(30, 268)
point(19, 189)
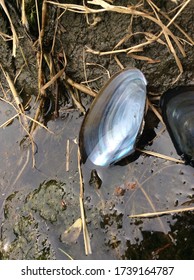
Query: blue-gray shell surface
point(111, 126)
point(178, 114)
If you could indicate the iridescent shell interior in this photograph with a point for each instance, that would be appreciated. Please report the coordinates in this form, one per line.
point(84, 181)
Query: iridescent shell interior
point(178, 114)
point(111, 126)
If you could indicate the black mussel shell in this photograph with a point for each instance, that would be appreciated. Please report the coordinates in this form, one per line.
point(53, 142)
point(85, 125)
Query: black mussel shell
point(178, 114)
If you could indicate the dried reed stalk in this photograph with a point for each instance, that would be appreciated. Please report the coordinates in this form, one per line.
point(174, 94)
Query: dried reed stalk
point(81, 198)
point(150, 153)
point(135, 11)
point(165, 212)
point(14, 34)
point(80, 87)
point(24, 18)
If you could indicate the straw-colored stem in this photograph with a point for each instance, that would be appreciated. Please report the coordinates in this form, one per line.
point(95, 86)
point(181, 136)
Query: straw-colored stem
point(165, 212)
point(81, 198)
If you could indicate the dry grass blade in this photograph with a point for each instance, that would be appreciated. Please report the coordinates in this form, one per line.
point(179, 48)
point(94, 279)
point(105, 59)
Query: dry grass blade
point(84, 225)
point(15, 37)
point(133, 10)
point(151, 204)
point(119, 63)
point(77, 102)
point(167, 33)
point(23, 119)
point(43, 21)
point(136, 48)
point(176, 25)
point(144, 58)
point(38, 21)
point(166, 30)
point(67, 155)
point(155, 111)
point(80, 87)
point(76, 8)
point(5, 36)
point(185, 3)
point(20, 109)
point(123, 40)
point(48, 84)
point(160, 156)
point(40, 53)
point(39, 123)
point(14, 92)
point(24, 18)
point(36, 116)
point(66, 254)
point(24, 125)
point(6, 123)
point(165, 212)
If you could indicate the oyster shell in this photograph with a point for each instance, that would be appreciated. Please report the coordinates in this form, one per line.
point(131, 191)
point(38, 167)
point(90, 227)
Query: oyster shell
point(113, 123)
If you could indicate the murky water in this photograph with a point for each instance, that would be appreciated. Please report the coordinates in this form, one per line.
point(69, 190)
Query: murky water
point(39, 204)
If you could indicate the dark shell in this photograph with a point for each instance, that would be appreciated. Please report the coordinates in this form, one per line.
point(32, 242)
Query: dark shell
point(111, 126)
point(178, 114)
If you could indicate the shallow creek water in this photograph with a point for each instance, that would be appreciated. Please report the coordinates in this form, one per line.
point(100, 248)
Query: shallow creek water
point(38, 204)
